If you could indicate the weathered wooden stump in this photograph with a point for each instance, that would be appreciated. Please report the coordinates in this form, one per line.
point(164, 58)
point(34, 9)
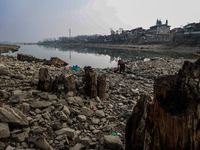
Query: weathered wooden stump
point(91, 82)
point(67, 83)
point(172, 119)
point(45, 81)
point(101, 86)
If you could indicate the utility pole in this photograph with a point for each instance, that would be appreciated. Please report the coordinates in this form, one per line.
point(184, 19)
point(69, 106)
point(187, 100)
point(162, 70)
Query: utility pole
point(69, 32)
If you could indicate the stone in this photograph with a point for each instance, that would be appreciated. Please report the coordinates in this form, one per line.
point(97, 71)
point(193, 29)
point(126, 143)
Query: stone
point(66, 110)
point(3, 71)
point(111, 118)
point(24, 107)
point(4, 131)
point(41, 143)
point(82, 118)
point(46, 115)
point(68, 131)
point(99, 113)
point(86, 141)
point(52, 97)
point(86, 111)
point(112, 142)
point(10, 148)
point(4, 94)
point(21, 137)
point(40, 104)
point(2, 145)
point(12, 116)
point(78, 146)
point(95, 121)
point(107, 128)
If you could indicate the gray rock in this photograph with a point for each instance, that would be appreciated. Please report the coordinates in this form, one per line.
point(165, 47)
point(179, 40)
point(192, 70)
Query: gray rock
point(112, 142)
point(3, 71)
point(78, 146)
point(68, 131)
point(2, 145)
point(4, 94)
point(24, 107)
point(85, 141)
point(66, 110)
point(10, 148)
point(95, 121)
point(4, 131)
point(100, 113)
point(111, 118)
point(82, 118)
point(41, 143)
point(21, 137)
point(46, 115)
point(107, 128)
point(86, 111)
point(61, 115)
point(12, 116)
point(40, 104)
point(135, 92)
point(52, 97)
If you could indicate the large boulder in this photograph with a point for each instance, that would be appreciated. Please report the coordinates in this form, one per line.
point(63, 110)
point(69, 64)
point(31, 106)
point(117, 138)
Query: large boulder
point(112, 142)
point(12, 116)
point(172, 120)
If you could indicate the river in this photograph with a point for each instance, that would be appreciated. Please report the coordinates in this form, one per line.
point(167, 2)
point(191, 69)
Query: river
point(97, 58)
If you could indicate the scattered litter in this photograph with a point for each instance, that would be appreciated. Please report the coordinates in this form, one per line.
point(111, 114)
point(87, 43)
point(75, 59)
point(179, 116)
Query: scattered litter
point(122, 114)
point(95, 108)
point(75, 68)
point(119, 134)
point(113, 134)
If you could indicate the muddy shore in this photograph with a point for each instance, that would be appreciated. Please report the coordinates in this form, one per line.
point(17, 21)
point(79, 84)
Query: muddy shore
point(5, 48)
point(146, 47)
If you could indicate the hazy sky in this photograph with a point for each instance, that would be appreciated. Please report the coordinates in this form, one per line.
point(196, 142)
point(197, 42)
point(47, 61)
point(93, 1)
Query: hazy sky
point(34, 20)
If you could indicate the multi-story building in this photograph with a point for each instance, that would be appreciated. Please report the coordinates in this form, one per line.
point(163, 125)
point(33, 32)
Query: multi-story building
point(159, 28)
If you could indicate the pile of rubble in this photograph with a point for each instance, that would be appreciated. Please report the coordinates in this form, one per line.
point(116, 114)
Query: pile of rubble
point(64, 117)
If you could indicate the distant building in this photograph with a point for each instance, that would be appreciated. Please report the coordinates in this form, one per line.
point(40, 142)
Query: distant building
point(177, 31)
point(159, 28)
point(192, 28)
point(138, 31)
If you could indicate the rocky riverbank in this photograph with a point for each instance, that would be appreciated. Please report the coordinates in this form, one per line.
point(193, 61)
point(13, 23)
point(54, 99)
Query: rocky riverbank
point(33, 119)
point(5, 48)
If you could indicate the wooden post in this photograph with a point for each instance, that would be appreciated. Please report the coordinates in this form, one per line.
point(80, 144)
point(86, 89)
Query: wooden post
point(91, 82)
point(101, 86)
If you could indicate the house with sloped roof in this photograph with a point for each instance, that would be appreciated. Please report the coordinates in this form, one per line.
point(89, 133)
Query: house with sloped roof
point(159, 28)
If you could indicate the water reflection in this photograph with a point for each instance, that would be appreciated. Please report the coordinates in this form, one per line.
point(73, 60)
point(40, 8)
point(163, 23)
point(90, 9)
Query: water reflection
point(95, 57)
point(124, 54)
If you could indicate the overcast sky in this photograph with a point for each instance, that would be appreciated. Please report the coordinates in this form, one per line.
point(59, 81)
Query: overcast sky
point(34, 20)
